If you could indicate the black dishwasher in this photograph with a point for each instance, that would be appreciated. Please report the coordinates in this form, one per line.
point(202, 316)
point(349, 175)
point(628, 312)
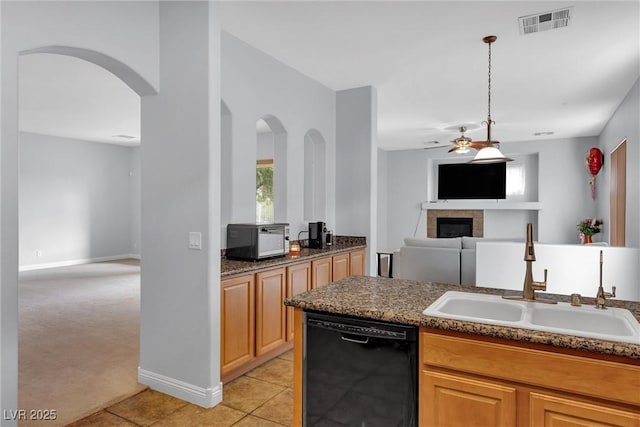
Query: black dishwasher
point(359, 372)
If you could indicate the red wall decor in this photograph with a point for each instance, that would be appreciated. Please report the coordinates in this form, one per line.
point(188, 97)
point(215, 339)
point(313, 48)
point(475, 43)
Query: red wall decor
point(594, 161)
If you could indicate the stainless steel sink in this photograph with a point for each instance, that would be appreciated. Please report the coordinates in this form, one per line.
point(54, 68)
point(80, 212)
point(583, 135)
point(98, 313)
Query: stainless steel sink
point(612, 324)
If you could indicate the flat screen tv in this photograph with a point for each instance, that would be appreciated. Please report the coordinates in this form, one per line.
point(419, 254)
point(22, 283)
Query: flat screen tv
point(472, 181)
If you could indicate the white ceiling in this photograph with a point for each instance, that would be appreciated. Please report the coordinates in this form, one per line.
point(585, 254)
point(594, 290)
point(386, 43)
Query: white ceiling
point(426, 59)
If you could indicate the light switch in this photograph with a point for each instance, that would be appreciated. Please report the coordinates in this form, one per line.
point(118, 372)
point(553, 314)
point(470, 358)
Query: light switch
point(195, 240)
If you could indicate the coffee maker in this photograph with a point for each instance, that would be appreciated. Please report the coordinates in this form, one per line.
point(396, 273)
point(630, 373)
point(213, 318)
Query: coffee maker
point(317, 234)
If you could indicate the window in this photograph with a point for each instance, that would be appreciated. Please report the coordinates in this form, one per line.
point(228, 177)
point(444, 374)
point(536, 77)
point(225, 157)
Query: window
point(515, 180)
point(264, 191)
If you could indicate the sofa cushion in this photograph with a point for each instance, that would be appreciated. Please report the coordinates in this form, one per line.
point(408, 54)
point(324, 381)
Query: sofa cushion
point(428, 264)
point(470, 242)
point(446, 242)
point(468, 266)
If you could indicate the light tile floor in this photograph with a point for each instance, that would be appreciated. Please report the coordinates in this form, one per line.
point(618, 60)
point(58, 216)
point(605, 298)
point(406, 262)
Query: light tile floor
point(262, 397)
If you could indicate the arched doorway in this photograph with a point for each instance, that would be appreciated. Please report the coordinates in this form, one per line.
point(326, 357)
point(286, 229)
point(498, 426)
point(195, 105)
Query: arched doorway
point(87, 192)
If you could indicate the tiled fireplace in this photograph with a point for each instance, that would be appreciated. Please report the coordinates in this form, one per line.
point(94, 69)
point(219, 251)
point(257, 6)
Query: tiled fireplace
point(476, 215)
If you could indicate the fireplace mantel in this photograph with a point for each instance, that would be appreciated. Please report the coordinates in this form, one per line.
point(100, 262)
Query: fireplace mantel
point(483, 204)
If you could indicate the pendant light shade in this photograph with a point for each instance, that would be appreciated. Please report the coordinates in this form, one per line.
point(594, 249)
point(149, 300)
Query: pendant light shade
point(490, 155)
point(489, 152)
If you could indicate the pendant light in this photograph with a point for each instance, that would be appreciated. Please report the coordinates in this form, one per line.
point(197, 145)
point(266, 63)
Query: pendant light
point(489, 153)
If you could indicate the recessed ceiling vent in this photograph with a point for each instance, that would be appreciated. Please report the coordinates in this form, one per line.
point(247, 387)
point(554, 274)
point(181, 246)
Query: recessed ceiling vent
point(545, 21)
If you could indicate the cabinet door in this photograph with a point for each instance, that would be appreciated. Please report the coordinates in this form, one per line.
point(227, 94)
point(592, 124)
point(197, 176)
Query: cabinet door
point(452, 401)
point(271, 290)
point(298, 281)
point(321, 272)
point(357, 263)
point(237, 321)
point(340, 266)
point(548, 411)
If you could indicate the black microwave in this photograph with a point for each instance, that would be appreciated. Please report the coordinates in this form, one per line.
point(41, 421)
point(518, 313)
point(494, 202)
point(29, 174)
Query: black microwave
point(257, 241)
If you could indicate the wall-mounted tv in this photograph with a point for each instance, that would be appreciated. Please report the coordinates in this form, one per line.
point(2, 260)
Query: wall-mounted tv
point(472, 181)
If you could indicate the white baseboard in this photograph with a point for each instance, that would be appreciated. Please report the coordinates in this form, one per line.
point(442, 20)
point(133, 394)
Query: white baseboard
point(67, 263)
point(204, 397)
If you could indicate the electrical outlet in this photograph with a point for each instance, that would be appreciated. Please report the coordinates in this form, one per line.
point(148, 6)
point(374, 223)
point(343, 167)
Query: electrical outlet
point(195, 240)
point(38, 252)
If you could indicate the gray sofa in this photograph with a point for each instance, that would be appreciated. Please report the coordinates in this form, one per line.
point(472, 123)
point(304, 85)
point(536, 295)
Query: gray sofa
point(447, 260)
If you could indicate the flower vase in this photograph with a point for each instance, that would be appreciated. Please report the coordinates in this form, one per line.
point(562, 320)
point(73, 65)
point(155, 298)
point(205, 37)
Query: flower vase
point(587, 240)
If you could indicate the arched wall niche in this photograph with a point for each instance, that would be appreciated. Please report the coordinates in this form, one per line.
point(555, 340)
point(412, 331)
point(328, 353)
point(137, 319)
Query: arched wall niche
point(226, 178)
point(315, 191)
point(271, 143)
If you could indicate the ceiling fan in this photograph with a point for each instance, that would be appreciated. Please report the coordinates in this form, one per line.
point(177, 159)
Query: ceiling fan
point(462, 144)
point(437, 137)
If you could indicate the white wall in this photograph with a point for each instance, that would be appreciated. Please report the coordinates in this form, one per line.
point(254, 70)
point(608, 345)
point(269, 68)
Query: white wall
point(571, 268)
point(383, 202)
point(254, 85)
point(123, 33)
point(136, 201)
point(625, 123)
point(180, 293)
point(560, 177)
point(356, 167)
point(76, 201)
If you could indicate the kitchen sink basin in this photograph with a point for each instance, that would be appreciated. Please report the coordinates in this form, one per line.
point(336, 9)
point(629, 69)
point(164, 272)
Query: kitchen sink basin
point(463, 306)
point(587, 319)
point(613, 324)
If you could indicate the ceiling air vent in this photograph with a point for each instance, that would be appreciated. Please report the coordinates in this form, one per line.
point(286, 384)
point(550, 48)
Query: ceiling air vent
point(545, 21)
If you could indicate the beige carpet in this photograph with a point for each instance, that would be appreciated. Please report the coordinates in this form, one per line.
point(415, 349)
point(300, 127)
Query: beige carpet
point(78, 338)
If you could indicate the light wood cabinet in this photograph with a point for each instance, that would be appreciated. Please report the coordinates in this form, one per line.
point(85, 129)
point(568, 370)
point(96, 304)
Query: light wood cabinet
point(271, 290)
point(453, 398)
point(255, 324)
point(341, 266)
point(321, 272)
point(483, 381)
point(298, 281)
point(357, 263)
point(551, 411)
point(237, 307)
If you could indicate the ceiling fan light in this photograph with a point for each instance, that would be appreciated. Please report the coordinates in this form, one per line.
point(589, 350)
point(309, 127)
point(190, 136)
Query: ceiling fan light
point(462, 150)
point(490, 155)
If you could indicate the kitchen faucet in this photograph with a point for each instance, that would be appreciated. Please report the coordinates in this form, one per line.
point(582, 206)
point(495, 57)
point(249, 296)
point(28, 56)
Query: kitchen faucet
point(601, 296)
point(530, 285)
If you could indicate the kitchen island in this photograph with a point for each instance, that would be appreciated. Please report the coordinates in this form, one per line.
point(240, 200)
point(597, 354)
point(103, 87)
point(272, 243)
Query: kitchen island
point(524, 377)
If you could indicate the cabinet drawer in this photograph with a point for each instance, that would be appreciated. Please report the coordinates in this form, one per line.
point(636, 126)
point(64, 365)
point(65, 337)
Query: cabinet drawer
point(590, 377)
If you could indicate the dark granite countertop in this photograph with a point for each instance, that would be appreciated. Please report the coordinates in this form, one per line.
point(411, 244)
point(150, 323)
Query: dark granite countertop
point(229, 267)
point(403, 301)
